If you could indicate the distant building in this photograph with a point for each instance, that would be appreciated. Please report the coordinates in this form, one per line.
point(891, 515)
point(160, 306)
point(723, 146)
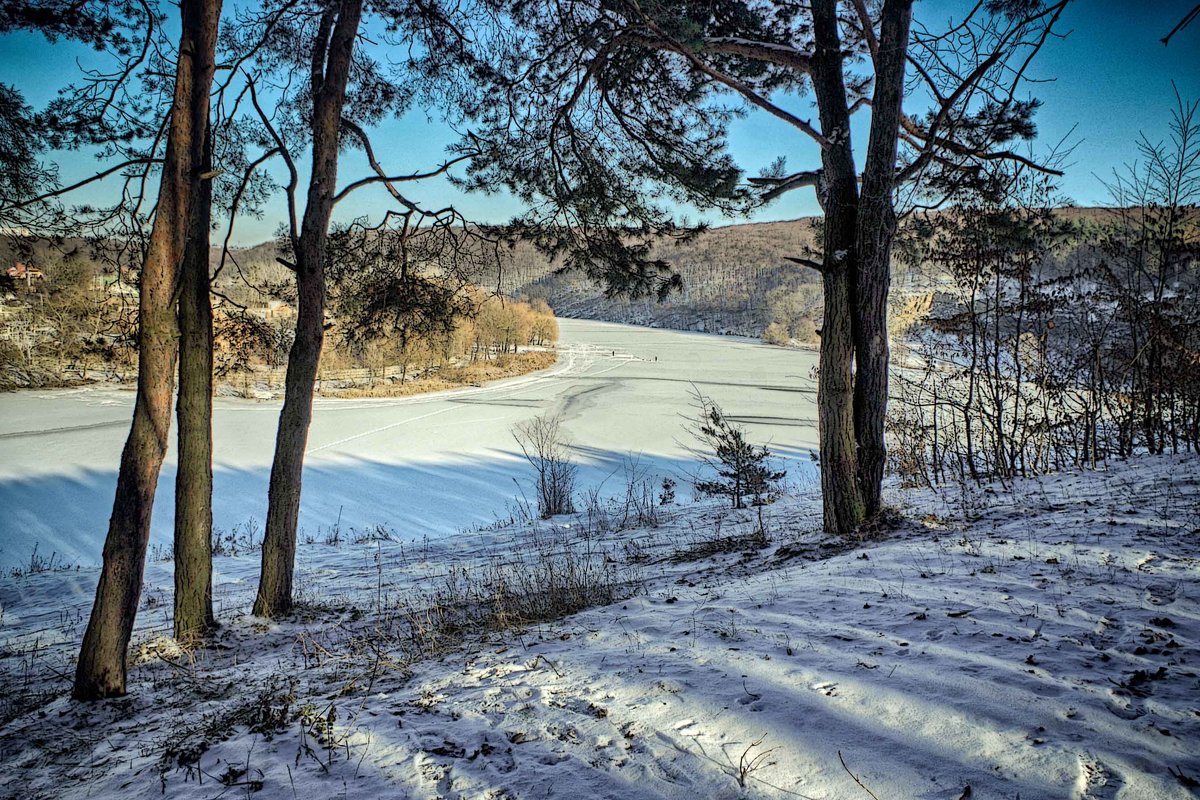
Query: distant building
point(24, 272)
point(275, 309)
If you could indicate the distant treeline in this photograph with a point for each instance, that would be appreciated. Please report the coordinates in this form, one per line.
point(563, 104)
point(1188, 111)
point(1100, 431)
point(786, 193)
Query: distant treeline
point(75, 322)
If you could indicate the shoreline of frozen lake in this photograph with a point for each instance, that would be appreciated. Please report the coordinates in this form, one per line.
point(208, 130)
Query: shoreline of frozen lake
point(423, 466)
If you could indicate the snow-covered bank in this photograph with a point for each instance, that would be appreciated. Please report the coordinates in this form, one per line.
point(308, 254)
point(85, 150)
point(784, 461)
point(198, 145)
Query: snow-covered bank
point(423, 466)
point(1047, 648)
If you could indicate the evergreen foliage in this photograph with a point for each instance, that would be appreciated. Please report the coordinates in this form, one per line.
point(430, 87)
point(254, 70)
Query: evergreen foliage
point(744, 471)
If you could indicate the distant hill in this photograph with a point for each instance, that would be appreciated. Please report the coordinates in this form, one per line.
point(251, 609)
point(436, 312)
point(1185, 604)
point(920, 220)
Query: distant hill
point(736, 278)
point(727, 273)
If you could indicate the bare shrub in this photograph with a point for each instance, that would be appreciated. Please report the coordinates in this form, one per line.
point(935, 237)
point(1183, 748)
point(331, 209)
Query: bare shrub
point(1042, 343)
point(776, 334)
point(542, 442)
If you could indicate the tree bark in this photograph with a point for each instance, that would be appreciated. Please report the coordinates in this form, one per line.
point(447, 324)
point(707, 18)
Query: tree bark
point(876, 230)
point(193, 480)
point(330, 74)
point(842, 500)
point(102, 667)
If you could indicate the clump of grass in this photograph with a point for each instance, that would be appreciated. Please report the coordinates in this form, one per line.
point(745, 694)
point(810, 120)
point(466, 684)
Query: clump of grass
point(550, 578)
point(239, 540)
point(716, 545)
point(715, 542)
point(39, 564)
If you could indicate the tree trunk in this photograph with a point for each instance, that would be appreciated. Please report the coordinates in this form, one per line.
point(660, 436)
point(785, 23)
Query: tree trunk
point(102, 667)
point(843, 504)
point(330, 74)
point(844, 510)
point(193, 479)
point(283, 508)
point(876, 230)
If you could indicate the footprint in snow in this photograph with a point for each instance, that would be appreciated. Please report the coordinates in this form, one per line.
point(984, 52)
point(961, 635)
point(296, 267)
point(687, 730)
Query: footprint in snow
point(1161, 594)
point(1126, 711)
point(749, 698)
point(1094, 781)
point(1046, 690)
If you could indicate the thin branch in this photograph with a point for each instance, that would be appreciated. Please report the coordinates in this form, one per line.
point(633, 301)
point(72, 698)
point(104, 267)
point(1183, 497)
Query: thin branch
point(788, 183)
point(98, 176)
point(664, 42)
point(382, 177)
point(868, 28)
point(780, 54)
point(855, 777)
point(293, 174)
point(806, 262)
point(237, 200)
point(962, 150)
point(1183, 23)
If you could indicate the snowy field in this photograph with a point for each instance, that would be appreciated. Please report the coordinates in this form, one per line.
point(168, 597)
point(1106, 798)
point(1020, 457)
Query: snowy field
point(1036, 640)
point(1046, 647)
point(422, 466)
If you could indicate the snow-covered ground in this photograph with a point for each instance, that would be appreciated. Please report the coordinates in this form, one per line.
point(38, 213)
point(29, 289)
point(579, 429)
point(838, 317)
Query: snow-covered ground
point(1037, 640)
point(424, 466)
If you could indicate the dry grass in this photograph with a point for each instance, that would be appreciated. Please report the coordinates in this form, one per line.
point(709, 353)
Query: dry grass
point(552, 575)
point(506, 366)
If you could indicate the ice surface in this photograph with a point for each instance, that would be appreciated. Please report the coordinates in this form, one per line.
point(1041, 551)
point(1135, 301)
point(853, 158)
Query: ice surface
point(424, 466)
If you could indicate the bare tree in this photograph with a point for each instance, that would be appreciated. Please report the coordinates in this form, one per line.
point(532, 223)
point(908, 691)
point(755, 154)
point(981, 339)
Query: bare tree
point(1066, 339)
point(1150, 250)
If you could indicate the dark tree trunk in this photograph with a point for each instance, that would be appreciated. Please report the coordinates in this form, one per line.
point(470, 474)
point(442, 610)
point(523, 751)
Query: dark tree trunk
point(876, 231)
point(193, 480)
point(101, 671)
point(330, 74)
point(843, 504)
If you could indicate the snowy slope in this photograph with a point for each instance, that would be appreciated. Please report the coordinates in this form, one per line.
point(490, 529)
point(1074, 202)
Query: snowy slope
point(1040, 640)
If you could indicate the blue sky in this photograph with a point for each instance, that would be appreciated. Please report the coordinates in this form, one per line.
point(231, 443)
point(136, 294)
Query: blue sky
point(1106, 83)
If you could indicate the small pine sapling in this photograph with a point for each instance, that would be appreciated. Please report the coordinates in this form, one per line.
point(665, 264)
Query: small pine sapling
point(666, 495)
point(743, 469)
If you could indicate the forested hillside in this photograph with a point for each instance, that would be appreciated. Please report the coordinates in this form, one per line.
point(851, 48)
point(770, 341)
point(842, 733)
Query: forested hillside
point(736, 279)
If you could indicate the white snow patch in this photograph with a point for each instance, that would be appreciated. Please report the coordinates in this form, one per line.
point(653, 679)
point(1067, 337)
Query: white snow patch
point(1047, 648)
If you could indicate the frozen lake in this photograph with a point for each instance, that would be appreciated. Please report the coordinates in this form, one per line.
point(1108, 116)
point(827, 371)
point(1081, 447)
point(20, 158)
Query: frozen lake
point(423, 466)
